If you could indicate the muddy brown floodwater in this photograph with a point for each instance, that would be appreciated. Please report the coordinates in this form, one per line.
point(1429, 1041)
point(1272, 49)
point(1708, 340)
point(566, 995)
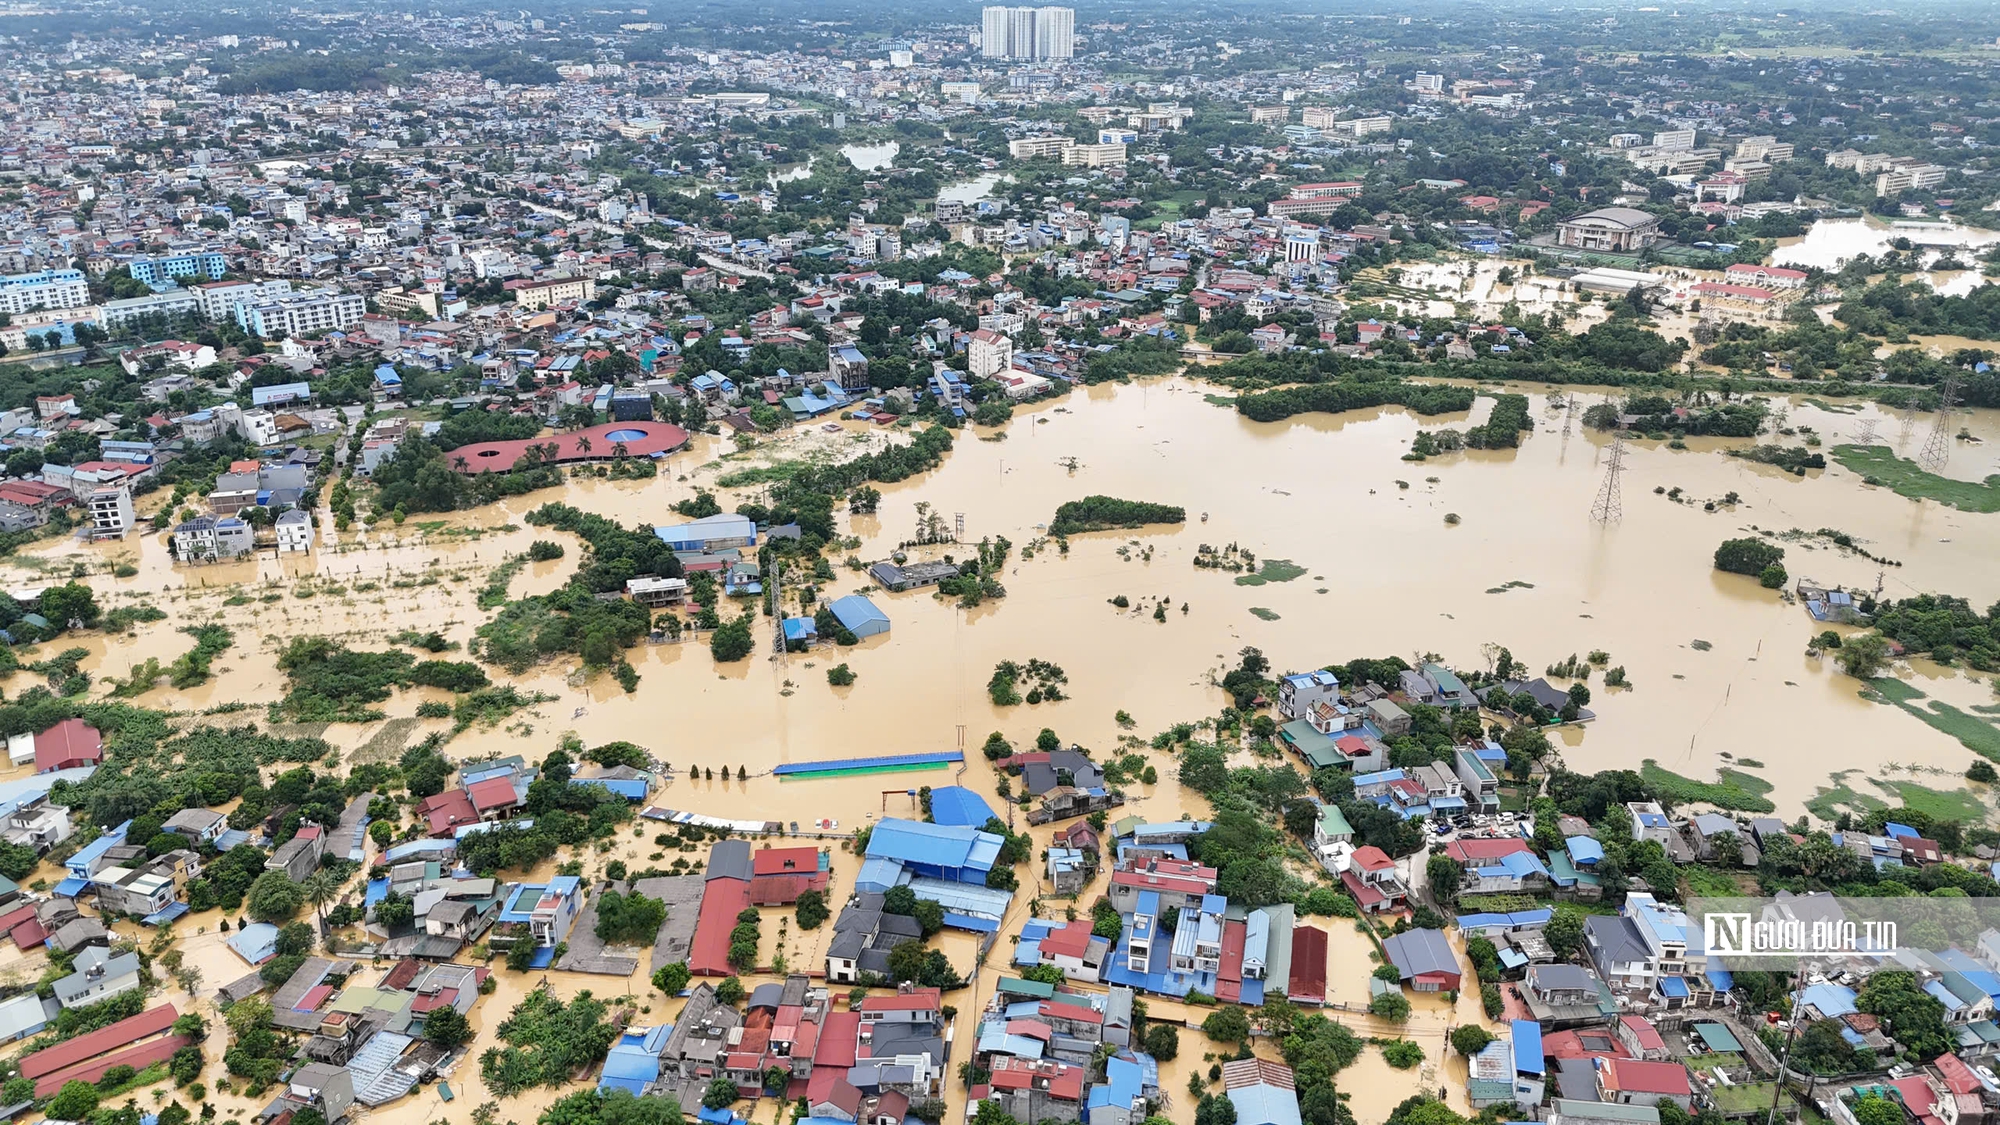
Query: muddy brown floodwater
point(1384, 573)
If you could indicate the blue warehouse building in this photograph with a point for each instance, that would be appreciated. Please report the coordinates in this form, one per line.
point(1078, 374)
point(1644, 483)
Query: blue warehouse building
point(957, 854)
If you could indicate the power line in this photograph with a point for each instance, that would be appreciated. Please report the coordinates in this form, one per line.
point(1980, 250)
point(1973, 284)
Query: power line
point(1609, 506)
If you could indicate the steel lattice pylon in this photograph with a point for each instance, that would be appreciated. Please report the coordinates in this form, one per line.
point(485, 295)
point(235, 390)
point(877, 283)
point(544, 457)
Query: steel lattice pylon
point(1937, 447)
point(1609, 505)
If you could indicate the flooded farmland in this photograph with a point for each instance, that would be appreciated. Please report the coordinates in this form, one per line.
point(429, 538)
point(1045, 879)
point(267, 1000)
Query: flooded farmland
point(1717, 663)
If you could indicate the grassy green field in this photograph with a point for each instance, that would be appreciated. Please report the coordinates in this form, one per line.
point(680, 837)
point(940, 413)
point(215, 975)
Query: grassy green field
point(1976, 734)
point(1732, 789)
point(1830, 801)
point(1273, 570)
point(1879, 465)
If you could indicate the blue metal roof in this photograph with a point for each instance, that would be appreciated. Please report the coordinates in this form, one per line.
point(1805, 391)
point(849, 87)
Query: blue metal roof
point(934, 845)
point(1264, 1104)
point(1528, 1047)
point(72, 887)
point(957, 805)
point(857, 612)
point(256, 942)
point(1584, 850)
point(165, 914)
point(1674, 988)
point(630, 788)
point(92, 852)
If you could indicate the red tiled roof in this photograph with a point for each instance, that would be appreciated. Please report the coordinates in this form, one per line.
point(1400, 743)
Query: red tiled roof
point(1958, 1077)
point(443, 999)
point(138, 1058)
point(805, 1041)
point(446, 811)
point(1483, 850)
point(1371, 858)
point(493, 793)
point(1079, 1013)
point(721, 901)
point(108, 1038)
point(1640, 1077)
point(1071, 940)
point(1308, 965)
point(29, 934)
point(403, 974)
point(838, 1034)
point(915, 1000)
point(1234, 934)
point(499, 456)
point(784, 861)
point(1648, 1038)
point(1059, 1080)
point(69, 743)
point(20, 915)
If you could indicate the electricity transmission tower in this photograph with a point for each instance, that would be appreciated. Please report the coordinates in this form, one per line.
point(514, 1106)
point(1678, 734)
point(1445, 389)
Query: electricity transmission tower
point(1937, 448)
point(1867, 434)
point(1609, 506)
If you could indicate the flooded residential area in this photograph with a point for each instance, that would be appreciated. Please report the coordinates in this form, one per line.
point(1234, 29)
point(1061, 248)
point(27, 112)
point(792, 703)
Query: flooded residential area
point(906, 565)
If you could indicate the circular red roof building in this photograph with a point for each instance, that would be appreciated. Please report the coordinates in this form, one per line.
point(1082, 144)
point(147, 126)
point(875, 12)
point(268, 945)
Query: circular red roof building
point(607, 442)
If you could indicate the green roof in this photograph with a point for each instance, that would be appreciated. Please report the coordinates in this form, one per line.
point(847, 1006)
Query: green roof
point(1018, 987)
point(1317, 749)
point(1445, 680)
point(1561, 869)
point(1607, 1111)
point(1332, 822)
point(1717, 1037)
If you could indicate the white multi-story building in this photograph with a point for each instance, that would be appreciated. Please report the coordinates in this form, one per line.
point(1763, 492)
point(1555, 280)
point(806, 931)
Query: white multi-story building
point(295, 531)
point(987, 354)
point(43, 289)
point(302, 314)
point(1913, 176)
point(1095, 156)
point(217, 300)
point(1055, 33)
point(111, 515)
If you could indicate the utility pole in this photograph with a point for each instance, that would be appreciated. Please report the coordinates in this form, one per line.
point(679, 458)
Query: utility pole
point(1609, 506)
point(1937, 448)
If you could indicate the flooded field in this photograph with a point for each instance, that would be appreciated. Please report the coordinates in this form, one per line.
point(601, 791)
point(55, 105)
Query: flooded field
point(1717, 663)
point(1832, 242)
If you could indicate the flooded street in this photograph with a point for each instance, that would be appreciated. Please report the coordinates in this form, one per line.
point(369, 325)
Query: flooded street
point(1384, 573)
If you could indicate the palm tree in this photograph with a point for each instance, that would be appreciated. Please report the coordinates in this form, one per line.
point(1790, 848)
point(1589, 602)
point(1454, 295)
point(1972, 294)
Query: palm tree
point(618, 449)
point(582, 443)
point(321, 887)
point(459, 463)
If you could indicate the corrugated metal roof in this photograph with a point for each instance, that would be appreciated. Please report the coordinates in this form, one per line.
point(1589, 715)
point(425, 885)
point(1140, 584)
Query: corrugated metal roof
point(111, 1037)
point(138, 1058)
point(957, 805)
